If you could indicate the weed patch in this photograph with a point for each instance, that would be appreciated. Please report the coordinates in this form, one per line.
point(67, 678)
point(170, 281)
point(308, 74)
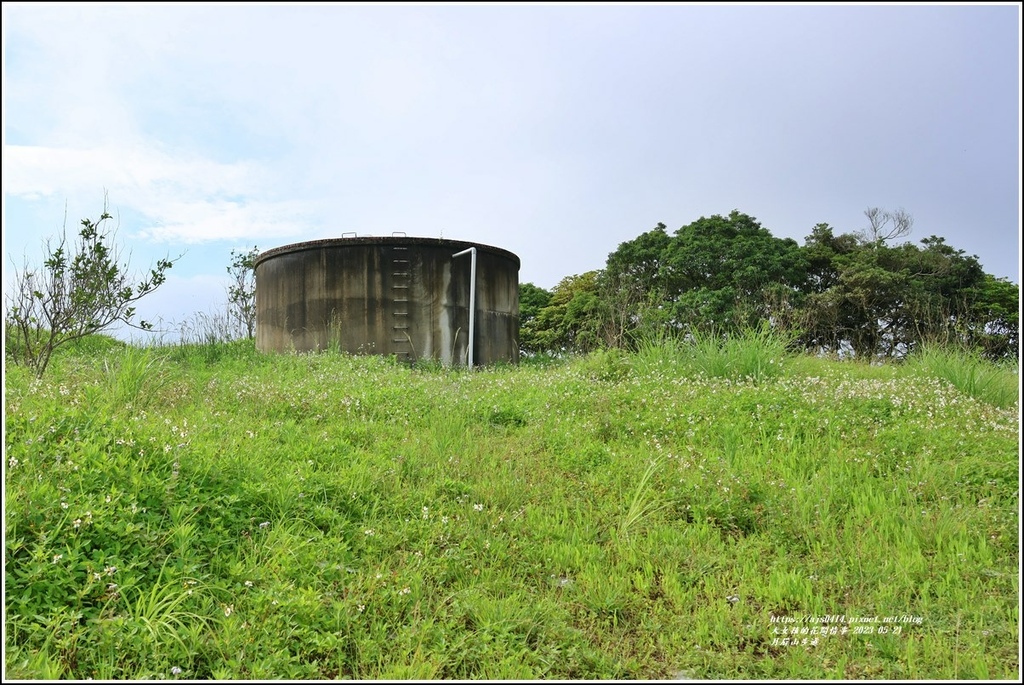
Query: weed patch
point(202, 511)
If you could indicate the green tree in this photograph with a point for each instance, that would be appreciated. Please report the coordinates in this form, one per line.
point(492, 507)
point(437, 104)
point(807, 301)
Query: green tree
point(573, 321)
point(848, 293)
point(994, 318)
point(871, 296)
point(532, 299)
point(634, 286)
point(877, 300)
point(242, 291)
point(729, 272)
point(821, 250)
point(80, 289)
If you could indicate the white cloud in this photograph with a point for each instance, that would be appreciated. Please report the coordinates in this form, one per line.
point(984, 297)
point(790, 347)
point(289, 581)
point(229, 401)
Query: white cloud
point(133, 171)
point(203, 221)
point(183, 199)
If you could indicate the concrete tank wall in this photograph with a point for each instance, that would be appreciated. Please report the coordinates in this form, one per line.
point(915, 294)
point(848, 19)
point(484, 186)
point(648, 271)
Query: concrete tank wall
point(393, 296)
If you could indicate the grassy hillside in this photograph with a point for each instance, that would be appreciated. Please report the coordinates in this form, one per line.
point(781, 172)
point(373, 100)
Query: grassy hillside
point(686, 511)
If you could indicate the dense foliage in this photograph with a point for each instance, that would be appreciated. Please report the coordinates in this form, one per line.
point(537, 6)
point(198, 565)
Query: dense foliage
point(851, 294)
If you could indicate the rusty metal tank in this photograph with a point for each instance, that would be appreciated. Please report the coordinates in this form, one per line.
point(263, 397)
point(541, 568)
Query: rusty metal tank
point(403, 296)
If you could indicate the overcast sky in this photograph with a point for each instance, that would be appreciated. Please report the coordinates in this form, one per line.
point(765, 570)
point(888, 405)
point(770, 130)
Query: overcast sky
point(553, 131)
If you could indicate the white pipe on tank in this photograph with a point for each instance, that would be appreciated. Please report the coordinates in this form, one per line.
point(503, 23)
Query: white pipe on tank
point(472, 297)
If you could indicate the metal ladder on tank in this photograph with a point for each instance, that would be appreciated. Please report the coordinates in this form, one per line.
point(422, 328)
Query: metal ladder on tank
point(401, 277)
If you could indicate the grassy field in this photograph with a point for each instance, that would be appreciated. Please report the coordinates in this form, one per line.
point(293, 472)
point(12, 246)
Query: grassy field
point(688, 511)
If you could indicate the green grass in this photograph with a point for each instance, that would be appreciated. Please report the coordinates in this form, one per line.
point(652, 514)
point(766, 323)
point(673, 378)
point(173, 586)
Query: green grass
point(204, 511)
point(969, 373)
point(756, 355)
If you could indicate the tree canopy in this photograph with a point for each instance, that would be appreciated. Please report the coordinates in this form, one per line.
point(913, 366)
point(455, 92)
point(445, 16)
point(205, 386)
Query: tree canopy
point(851, 293)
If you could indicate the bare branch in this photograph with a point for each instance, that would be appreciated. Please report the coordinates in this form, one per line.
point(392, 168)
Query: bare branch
point(884, 225)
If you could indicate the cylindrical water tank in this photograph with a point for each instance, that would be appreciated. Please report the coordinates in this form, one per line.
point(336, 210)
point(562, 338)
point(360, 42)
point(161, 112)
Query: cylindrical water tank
point(407, 297)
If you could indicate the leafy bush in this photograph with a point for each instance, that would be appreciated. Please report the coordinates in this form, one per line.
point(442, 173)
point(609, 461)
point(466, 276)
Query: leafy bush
point(606, 364)
point(80, 290)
